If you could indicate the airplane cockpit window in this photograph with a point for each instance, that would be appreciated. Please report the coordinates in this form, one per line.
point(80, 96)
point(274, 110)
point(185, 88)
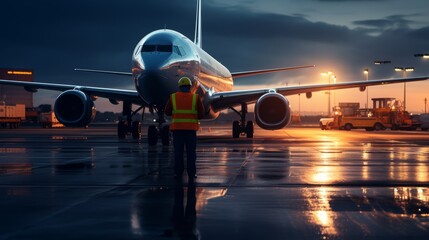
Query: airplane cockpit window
point(149, 48)
point(164, 48)
point(157, 48)
point(177, 50)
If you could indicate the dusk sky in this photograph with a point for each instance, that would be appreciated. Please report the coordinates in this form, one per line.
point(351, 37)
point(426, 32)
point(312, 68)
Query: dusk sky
point(342, 36)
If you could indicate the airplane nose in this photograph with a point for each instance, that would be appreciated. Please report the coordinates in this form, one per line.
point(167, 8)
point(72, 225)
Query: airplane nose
point(155, 83)
point(155, 62)
point(156, 86)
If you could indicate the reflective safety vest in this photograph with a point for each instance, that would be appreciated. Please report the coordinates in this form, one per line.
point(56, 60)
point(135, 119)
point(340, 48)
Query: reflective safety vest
point(185, 114)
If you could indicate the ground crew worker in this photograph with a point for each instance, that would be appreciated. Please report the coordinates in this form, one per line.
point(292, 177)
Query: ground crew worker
point(185, 108)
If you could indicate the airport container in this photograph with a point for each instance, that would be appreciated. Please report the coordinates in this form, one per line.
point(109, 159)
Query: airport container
point(20, 111)
point(10, 112)
point(2, 111)
point(17, 111)
point(12, 115)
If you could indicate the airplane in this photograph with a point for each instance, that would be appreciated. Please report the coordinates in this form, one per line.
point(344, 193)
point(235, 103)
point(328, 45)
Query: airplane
point(162, 57)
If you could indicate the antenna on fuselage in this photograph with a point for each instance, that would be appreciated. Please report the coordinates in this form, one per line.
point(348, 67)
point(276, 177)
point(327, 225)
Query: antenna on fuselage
point(197, 39)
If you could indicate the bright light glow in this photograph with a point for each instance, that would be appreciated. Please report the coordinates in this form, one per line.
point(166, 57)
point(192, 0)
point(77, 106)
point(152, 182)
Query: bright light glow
point(19, 73)
point(366, 71)
point(399, 69)
point(409, 69)
point(422, 55)
point(326, 73)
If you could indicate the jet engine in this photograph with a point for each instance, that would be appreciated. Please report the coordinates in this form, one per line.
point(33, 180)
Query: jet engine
point(272, 111)
point(74, 108)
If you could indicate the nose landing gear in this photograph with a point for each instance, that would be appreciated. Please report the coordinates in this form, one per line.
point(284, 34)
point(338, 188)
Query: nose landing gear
point(129, 126)
point(154, 133)
point(161, 131)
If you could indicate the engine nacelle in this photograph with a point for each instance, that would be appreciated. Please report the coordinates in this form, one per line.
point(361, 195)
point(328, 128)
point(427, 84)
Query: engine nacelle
point(362, 88)
point(272, 111)
point(74, 108)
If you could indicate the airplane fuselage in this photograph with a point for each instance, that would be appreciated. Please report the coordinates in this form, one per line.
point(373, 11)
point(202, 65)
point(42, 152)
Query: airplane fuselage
point(162, 57)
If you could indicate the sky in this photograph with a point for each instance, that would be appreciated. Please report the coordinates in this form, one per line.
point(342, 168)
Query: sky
point(342, 36)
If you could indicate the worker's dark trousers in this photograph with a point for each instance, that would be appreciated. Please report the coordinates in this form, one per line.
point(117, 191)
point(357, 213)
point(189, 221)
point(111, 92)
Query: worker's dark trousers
point(182, 139)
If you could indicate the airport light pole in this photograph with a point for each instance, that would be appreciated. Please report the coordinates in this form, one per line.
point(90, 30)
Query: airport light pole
point(299, 104)
point(335, 81)
point(328, 74)
point(366, 72)
point(425, 104)
point(424, 56)
point(404, 71)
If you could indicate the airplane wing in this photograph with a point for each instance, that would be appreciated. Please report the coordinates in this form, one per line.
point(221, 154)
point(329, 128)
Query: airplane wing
point(104, 71)
point(223, 100)
point(110, 93)
point(263, 71)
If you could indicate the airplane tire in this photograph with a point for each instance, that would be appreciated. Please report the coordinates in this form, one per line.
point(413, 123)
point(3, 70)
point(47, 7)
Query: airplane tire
point(378, 127)
point(152, 135)
point(165, 135)
point(136, 130)
point(348, 127)
point(235, 129)
point(249, 129)
point(122, 130)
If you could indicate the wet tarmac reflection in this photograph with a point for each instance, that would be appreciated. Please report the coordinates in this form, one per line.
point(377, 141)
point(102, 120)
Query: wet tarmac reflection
point(289, 184)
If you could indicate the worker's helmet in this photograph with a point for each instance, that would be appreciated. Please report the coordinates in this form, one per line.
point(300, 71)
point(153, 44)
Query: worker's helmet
point(184, 81)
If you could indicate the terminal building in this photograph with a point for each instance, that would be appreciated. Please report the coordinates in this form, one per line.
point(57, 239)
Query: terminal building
point(11, 95)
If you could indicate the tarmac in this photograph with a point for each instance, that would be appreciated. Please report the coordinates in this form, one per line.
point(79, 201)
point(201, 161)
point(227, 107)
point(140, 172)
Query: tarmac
point(295, 183)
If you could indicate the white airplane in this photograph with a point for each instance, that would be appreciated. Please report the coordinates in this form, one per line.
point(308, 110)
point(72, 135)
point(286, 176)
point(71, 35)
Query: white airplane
point(159, 60)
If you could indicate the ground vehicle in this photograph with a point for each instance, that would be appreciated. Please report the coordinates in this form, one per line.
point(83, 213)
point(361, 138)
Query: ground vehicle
point(424, 121)
point(12, 116)
point(348, 123)
point(49, 120)
point(421, 121)
point(386, 113)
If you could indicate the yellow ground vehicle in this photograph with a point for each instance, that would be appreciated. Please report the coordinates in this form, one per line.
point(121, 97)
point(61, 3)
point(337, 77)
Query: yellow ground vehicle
point(49, 120)
point(386, 113)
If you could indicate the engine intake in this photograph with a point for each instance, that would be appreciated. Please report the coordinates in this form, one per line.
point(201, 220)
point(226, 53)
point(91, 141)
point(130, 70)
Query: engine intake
point(272, 111)
point(74, 108)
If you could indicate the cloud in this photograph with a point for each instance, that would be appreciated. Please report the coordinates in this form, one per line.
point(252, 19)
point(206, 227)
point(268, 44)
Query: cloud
point(388, 23)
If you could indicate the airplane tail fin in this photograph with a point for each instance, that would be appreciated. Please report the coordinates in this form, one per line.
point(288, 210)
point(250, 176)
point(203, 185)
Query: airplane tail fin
point(197, 39)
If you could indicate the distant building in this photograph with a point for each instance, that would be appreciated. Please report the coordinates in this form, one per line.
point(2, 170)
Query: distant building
point(12, 95)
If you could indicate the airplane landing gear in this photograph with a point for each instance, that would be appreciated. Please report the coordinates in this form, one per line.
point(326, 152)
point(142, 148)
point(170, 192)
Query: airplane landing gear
point(160, 131)
point(129, 126)
point(241, 127)
point(154, 133)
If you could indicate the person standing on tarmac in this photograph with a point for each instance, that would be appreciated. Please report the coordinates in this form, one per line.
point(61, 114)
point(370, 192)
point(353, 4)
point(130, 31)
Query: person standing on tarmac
point(185, 108)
